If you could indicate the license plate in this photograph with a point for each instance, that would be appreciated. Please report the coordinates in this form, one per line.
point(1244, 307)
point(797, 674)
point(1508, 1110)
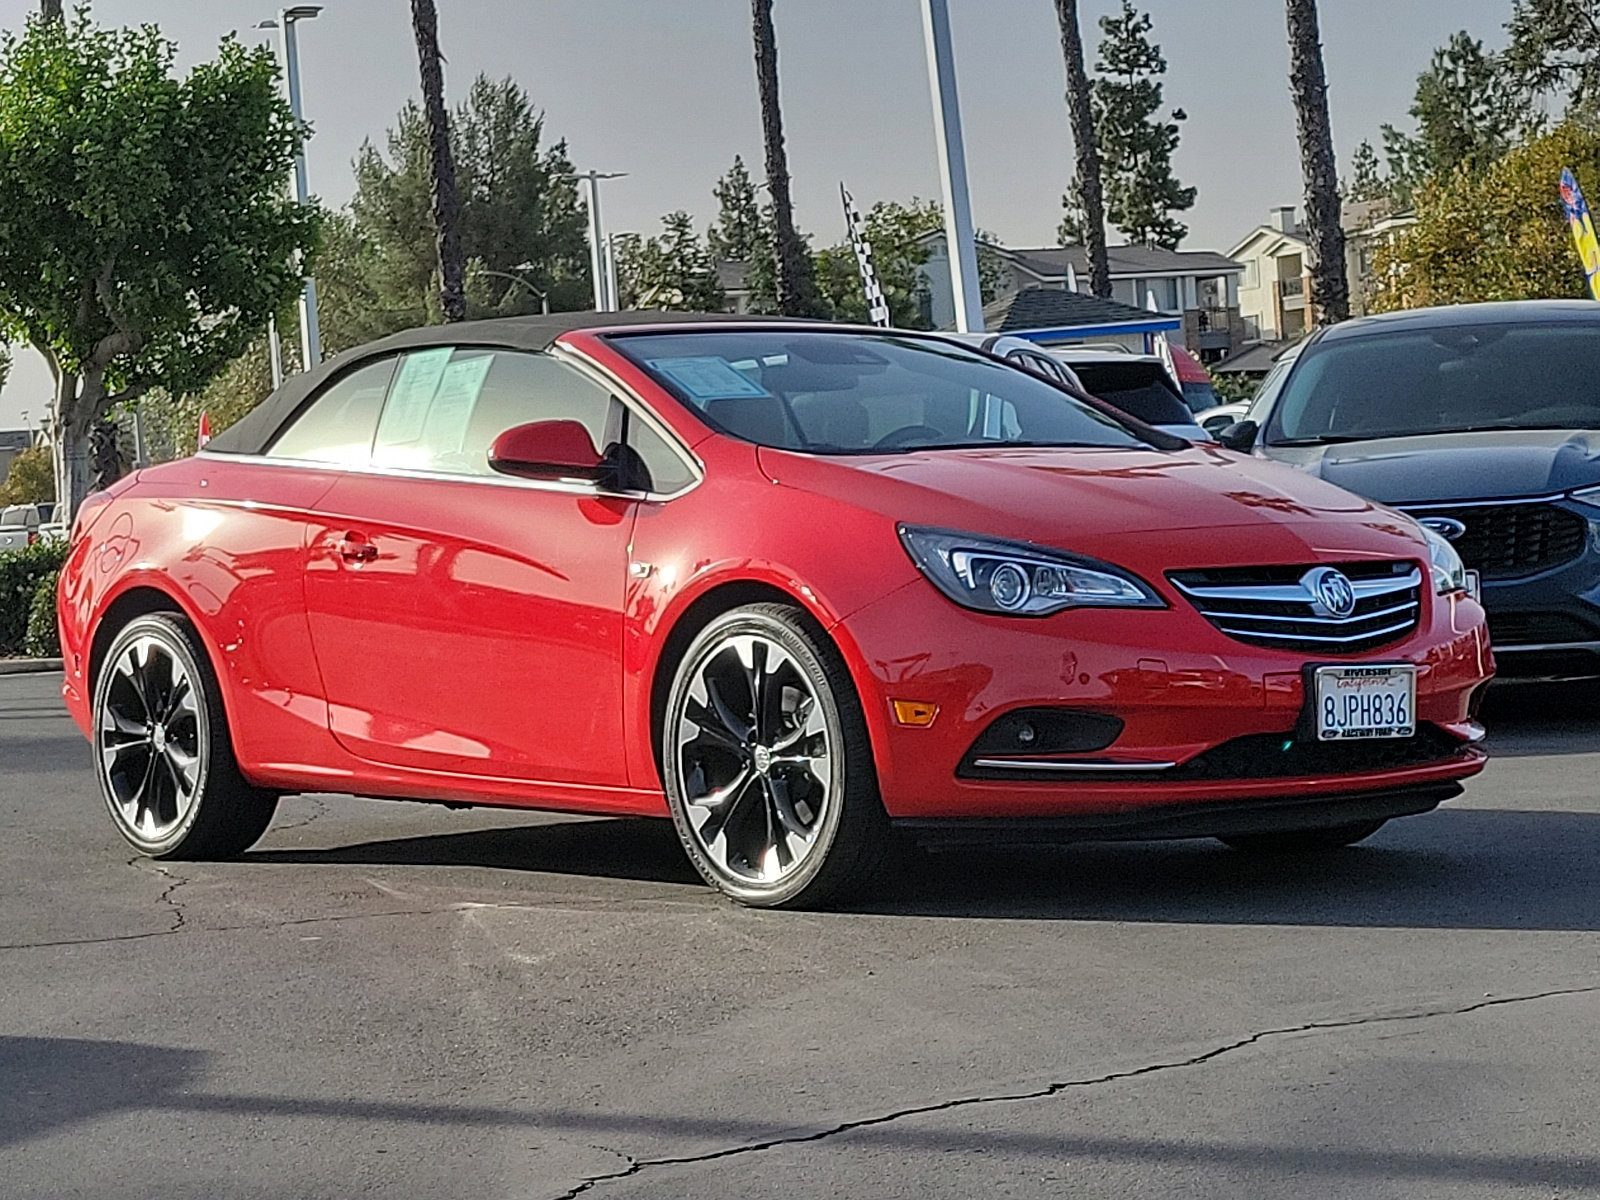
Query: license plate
point(1365, 702)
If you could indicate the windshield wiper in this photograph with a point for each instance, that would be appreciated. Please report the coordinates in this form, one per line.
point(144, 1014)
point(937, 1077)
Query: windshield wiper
point(1334, 439)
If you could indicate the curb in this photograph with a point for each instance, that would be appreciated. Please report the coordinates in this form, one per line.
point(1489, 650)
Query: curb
point(29, 666)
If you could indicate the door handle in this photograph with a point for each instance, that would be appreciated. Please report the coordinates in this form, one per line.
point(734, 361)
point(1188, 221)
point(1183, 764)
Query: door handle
point(354, 548)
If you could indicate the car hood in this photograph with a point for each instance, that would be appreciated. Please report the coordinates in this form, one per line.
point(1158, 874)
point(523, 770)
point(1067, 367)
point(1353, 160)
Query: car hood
point(1488, 465)
point(1103, 502)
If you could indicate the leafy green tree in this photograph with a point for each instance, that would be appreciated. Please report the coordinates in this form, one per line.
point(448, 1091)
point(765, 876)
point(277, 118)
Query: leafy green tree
point(1469, 110)
point(1498, 234)
point(1136, 143)
point(899, 236)
point(31, 478)
point(145, 231)
point(740, 233)
point(673, 271)
point(519, 205)
point(1366, 175)
point(1555, 50)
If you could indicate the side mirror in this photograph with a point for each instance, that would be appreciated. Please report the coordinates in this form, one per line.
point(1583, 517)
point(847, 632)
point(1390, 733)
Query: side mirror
point(549, 450)
point(1241, 435)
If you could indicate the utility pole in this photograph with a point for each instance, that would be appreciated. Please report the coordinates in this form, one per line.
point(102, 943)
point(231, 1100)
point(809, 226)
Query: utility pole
point(958, 231)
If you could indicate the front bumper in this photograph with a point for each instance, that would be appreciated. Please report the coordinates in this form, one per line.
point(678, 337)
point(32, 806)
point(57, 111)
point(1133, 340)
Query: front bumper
point(1180, 687)
point(1547, 626)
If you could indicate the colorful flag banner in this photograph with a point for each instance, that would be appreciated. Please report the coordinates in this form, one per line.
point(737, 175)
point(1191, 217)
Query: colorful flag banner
point(877, 305)
point(1582, 226)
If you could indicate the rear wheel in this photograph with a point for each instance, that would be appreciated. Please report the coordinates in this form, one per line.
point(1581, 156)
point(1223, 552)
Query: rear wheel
point(767, 762)
point(163, 755)
point(1305, 841)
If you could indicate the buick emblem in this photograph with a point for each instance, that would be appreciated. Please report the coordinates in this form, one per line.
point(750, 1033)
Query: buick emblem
point(1446, 527)
point(1331, 591)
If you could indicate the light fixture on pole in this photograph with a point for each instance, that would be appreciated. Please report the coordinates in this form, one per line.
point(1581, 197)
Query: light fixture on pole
point(288, 18)
point(958, 230)
point(544, 297)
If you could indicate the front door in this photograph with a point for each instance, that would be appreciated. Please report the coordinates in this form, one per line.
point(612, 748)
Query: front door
point(463, 621)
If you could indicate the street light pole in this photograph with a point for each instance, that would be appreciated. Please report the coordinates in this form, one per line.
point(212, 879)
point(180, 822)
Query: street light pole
point(310, 330)
point(603, 291)
point(958, 232)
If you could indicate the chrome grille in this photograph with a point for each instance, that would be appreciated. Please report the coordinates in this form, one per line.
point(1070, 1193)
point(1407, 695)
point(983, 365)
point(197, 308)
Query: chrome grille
point(1507, 541)
point(1269, 606)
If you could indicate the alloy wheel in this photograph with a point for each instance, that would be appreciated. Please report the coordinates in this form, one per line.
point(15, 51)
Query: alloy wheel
point(755, 760)
point(151, 739)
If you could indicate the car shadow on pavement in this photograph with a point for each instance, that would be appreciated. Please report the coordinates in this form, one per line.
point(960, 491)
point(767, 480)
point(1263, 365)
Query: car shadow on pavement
point(1456, 868)
point(49, 1084)
point(605, 848)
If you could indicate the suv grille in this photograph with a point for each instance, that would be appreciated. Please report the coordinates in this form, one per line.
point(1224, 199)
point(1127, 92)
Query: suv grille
point(1269, 606)
point(1537, 629)
point(1504, 541)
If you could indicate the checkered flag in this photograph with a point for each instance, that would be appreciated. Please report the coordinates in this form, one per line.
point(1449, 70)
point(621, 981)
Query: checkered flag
point(877, 306)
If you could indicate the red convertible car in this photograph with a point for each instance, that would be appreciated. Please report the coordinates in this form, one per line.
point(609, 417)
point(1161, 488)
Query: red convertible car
point(789, 584)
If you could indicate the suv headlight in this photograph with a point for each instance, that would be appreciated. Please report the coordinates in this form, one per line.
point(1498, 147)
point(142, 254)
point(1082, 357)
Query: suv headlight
point(1017, 578)
point(1449, 572)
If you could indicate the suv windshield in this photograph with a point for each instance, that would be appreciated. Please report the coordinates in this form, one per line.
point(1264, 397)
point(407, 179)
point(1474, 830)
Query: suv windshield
point(1449, 379)
point(856, 393)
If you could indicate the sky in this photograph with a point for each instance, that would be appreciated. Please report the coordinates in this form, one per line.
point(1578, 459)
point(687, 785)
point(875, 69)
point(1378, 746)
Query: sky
point(665, 91)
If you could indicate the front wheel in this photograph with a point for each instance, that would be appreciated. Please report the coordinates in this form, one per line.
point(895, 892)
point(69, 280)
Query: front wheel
point(1305, 841)
point(163, 755)
point(767, 762)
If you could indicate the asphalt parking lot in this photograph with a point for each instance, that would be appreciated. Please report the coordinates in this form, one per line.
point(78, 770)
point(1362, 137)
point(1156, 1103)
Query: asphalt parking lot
point(397, 1000)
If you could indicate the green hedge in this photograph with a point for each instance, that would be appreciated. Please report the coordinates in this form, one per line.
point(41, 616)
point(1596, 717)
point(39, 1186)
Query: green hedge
point(20, 574)
point(44, 635)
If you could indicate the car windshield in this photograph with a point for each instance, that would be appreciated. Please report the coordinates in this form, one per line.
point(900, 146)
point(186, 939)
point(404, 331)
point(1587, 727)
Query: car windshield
point(1449, 379)
point(854, 393)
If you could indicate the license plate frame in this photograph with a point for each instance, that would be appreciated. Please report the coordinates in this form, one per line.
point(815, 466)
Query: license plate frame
point(1323, 680)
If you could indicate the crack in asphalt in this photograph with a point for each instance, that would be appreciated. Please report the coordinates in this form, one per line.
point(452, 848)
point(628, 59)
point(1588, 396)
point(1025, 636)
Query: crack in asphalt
point(637, 1166)
point(289, 922)
point(319, 808)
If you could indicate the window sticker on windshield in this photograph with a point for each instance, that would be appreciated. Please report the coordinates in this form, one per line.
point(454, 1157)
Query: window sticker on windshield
point(412, 394)
point(708, 378)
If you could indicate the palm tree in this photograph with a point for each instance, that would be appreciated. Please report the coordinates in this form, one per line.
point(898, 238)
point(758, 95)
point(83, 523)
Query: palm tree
point(1330, 288)
point(1087, 146)
point(796, 284)
point(446, 205)
point(50, 10)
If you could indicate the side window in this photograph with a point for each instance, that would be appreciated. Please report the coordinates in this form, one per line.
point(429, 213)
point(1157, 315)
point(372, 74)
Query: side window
point(337, 426)
point(668, 471)
point(447, 407)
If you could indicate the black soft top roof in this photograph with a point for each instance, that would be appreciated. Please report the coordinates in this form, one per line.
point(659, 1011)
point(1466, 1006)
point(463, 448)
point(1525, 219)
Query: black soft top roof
point(253, 433)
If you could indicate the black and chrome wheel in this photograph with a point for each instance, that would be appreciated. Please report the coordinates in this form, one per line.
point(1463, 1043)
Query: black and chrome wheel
point(768, 766)
point(162, 751)
point(1304, 841)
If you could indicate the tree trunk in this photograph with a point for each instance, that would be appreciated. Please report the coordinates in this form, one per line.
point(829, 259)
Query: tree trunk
point(796, 285)
point(69, 443)
point(1087, 145)
point(446, 204)
point(50, 10)
point(1330, 289)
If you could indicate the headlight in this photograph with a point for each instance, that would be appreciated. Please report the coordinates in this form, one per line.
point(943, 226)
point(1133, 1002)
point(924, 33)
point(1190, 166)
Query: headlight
point(1018, 579)
point(1449, 572)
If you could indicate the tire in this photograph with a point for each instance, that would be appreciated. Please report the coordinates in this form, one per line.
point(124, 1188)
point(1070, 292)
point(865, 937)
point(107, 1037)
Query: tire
point(163, 754)
point(780, 809)
point(1304, 841)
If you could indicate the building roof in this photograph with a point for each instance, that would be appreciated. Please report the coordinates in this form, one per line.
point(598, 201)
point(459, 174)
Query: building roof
point(1050, 262)
point(1253, 360)
point(1036, 310)
point(15, 439)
